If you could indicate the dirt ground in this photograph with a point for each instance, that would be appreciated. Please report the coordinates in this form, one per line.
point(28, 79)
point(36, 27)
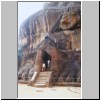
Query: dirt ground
point(25, 91)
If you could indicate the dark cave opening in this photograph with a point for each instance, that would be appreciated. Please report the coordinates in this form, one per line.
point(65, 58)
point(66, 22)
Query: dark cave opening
point(46, 58)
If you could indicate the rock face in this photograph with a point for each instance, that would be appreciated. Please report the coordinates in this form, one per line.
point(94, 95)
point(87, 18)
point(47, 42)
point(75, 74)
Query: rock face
point(54, 34)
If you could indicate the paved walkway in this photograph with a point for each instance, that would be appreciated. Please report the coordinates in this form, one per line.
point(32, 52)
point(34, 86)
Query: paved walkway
point(25, 91)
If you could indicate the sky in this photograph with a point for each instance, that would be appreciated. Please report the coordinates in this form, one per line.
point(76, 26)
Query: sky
point(25, 9)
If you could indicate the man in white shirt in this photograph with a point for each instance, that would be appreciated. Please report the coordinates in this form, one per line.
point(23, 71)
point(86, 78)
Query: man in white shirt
point(43, 67)
point(48, 63)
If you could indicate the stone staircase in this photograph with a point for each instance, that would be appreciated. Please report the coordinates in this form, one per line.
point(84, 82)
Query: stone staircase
point(43, 79)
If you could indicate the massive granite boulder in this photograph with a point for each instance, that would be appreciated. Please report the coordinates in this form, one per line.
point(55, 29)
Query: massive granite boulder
point(53, 32)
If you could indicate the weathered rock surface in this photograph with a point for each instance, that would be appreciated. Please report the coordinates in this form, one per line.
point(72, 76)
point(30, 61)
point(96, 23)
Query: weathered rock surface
point(39, 34)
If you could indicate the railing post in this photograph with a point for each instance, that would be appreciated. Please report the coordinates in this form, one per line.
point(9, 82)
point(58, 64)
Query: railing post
point(33, 78)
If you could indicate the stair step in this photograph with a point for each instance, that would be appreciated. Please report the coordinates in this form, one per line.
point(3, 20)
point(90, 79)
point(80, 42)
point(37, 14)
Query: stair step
point(40, 85)
point(43, 76)
point(45, 72)
point(40, 82)
point(42, 79)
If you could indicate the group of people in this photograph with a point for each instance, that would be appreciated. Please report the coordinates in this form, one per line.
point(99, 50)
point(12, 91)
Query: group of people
point(44, 65)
